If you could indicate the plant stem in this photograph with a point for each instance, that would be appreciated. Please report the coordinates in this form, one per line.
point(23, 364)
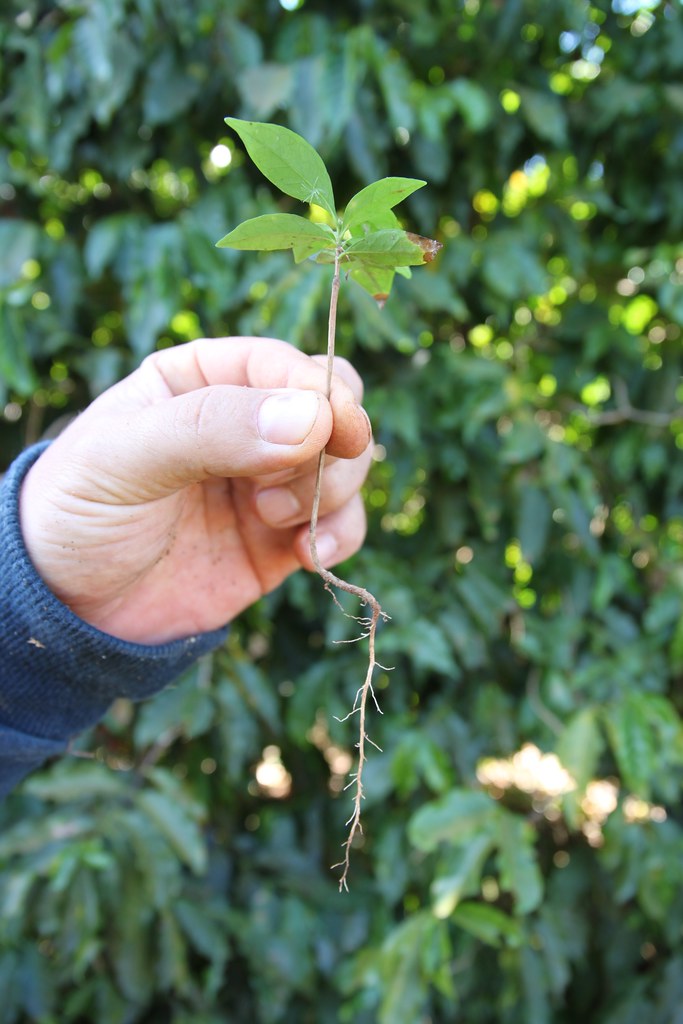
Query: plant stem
point(331, 338)
point(368, 622)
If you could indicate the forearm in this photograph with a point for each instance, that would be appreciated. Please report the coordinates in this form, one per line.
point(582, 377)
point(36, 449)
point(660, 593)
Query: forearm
point(58, 675)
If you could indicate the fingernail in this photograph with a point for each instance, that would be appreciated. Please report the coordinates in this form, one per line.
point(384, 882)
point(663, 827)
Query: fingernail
point(326, 546)
point(288, 418)
point(277, 505)
point(368, 423)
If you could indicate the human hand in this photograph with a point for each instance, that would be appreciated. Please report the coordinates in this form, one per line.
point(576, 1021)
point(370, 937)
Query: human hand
point(183, 493)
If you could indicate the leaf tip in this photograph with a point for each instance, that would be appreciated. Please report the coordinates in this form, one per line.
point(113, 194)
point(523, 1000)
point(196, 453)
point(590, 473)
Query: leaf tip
point(430, 247)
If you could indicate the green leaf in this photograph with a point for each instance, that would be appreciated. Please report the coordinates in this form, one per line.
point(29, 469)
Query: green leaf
point(188, 702)
point(257, 691)
point(172, 954)
point(130, 944)
point(160, 870)
point(510, 267)
point(291, 305)
point(417, 757)
point(207, 935)
point(488, 924)
point(456, 817)
point(106, 239)
point(37, 982)
point(533, 517)
point(237, 728)
point(10, 984)
point(535, 990)
point(375, 199)
point(181, 832)
point(405, 988)
point(580, 746)
point(304, 250)
point(382, 220)
point(545, 115)
point(473, 102)
point(278, 231)
point(18, 243)
point(676, 647)
point(266, 87)
point(385, 249)
point(670, 297)
point(395, 82)
point(376, 281)
point(462, 875)
point(579, 749)
point(519, 870)
point(404, 996)
point(287, 160)
point(82, 917)
point(428, 646)
point(633, 742)
point(15, 364)
point(522, 443)
point(171, 85)
point(63, 784)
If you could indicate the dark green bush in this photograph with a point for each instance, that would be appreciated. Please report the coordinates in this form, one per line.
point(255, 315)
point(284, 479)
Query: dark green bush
point(523, 843)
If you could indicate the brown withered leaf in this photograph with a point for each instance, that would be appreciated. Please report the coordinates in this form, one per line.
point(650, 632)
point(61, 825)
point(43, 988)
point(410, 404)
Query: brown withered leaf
point(430, 247)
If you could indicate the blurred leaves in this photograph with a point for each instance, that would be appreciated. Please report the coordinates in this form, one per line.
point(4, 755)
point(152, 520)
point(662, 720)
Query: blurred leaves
point(524, 503)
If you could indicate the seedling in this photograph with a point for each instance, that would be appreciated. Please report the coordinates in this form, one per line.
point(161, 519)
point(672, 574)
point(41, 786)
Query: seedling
point(367, 243)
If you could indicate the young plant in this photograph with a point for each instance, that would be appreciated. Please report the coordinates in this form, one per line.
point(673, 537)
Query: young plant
point(366, 242)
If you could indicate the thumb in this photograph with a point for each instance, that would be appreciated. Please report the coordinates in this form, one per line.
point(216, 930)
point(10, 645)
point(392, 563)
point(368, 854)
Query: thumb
point(217, 431)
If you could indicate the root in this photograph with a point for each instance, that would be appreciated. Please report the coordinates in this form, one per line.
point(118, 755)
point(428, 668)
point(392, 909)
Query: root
point(368, 621)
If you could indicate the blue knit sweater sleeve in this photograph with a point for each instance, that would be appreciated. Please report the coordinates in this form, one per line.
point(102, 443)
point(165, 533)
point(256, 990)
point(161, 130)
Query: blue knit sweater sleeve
point(58, 675)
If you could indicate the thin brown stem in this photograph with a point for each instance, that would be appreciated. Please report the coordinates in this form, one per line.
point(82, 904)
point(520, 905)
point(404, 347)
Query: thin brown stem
point(331, 339)
point(626, 413)
point(368, 622)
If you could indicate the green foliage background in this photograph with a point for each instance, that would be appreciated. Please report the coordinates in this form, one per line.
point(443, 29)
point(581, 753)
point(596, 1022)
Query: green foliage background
point(526, 521)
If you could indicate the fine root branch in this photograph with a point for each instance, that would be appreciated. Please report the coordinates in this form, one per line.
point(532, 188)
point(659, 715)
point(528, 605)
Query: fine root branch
point(360, 705)
point(368, 622)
